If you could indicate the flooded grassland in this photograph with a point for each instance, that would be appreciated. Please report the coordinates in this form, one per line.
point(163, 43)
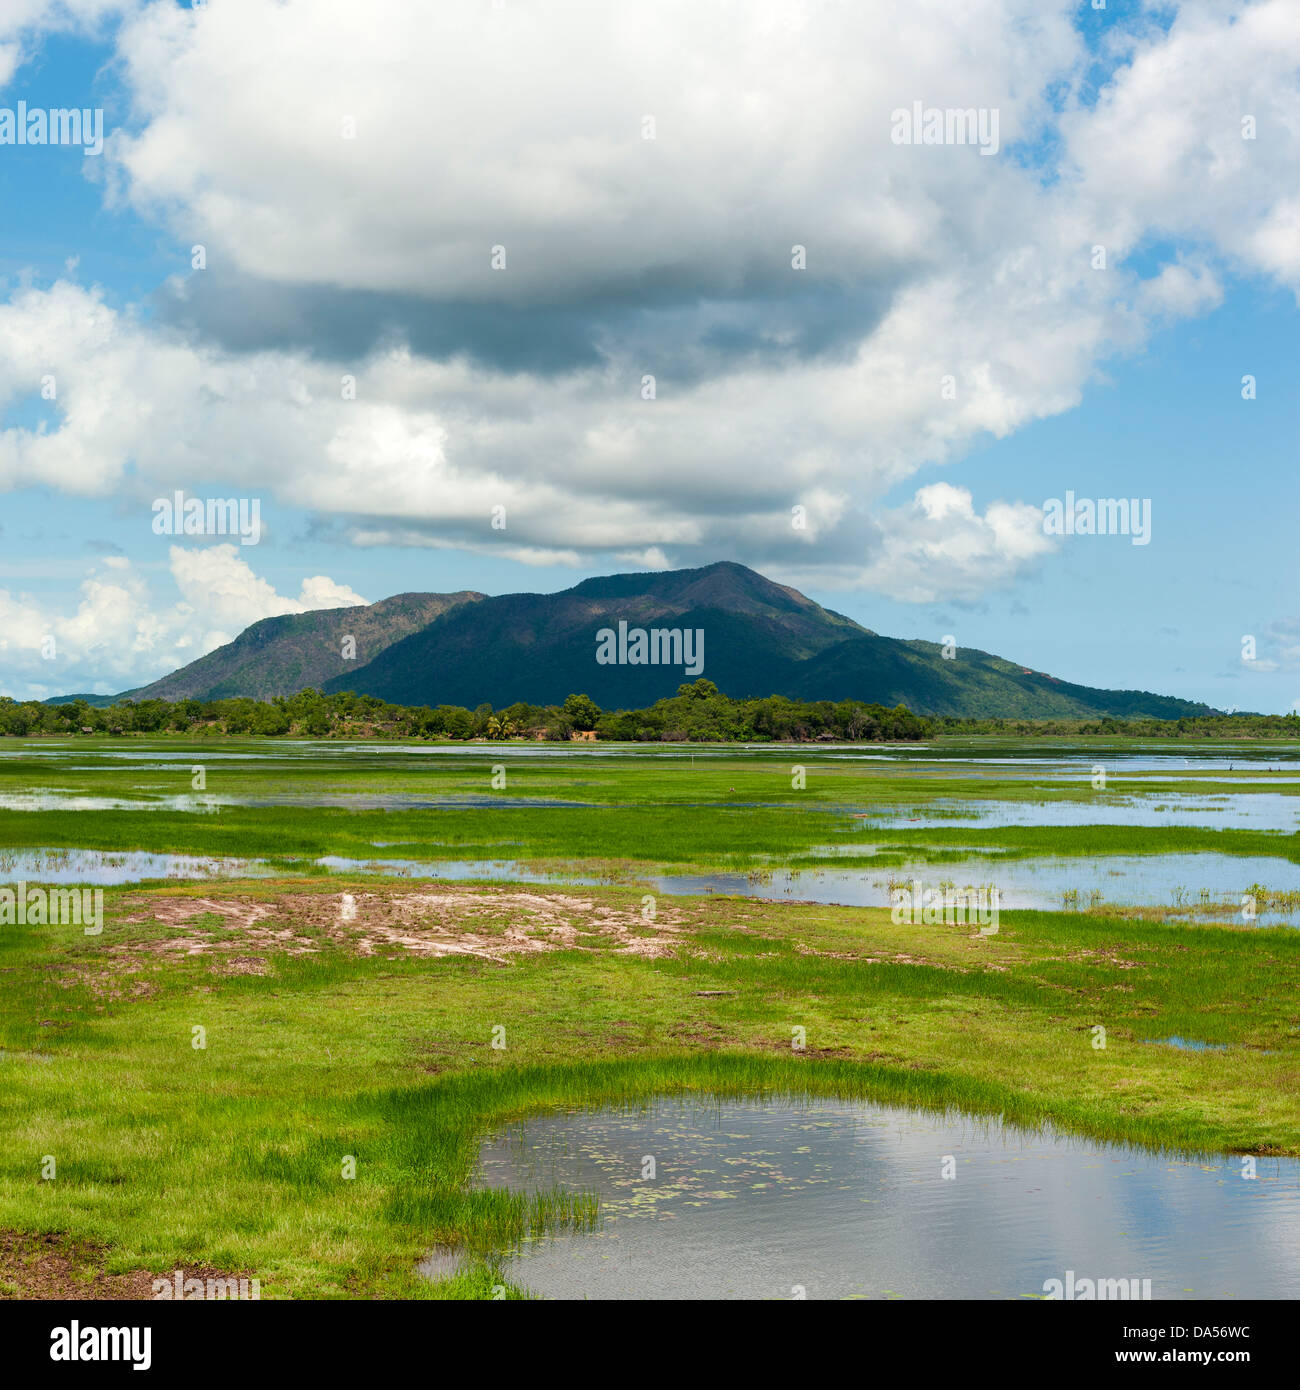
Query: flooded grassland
point(354, 1008)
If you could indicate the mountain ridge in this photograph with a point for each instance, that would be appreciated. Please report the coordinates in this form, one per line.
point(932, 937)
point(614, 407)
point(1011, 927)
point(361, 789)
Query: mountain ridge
point(307, 648)
point(759, 638)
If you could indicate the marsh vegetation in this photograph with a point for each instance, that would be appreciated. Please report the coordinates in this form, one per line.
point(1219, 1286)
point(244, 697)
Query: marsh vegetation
point(349, 1011)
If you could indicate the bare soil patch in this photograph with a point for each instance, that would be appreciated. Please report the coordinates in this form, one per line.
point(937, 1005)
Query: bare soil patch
point(54, 1266)
point(493, 924)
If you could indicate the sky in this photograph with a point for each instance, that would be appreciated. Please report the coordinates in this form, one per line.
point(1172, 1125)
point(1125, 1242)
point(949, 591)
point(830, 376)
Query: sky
point(502, 294)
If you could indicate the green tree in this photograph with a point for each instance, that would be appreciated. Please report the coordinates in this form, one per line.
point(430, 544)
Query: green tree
point(582, 711)
point(698, 690)
point(457, 721)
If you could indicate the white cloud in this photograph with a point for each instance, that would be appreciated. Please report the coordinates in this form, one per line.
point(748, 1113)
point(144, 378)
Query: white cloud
point(121, 634)
point(650, 559)
point(1282, 643)
point(523, 127)
point(219, 585)
point(940, 547)
point(1181, 290)
point(24, 22)
point(582, 465)
point(1163, 153)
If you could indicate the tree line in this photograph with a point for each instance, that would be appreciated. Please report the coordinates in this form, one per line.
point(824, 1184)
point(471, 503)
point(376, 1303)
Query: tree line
point(1201, 726)
point(699, 712)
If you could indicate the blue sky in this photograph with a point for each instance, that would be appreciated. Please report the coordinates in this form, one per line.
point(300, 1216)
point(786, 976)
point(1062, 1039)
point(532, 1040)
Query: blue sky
point(1143, 400)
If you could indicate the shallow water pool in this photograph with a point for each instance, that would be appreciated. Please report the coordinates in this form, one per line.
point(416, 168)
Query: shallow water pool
point(856, 1200)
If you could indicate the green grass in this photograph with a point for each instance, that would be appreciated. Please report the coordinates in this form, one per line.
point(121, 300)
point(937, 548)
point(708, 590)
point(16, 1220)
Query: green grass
point(232, 1156)
point(703, 807)
point(609, 838)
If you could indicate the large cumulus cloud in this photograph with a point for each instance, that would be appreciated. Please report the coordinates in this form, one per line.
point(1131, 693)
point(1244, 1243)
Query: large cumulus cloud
point(948, 296)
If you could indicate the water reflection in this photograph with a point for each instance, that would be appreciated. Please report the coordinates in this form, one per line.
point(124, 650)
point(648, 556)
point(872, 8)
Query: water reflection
point(851, 1200)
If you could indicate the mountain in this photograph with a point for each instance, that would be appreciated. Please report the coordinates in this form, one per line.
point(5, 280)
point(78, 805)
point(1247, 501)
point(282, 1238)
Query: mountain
point(279, 656)
point(973, 684)
point(94, 701)
point(760, 638)
point(541, 647)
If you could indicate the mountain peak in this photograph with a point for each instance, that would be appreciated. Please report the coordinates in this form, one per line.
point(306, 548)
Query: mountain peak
point(724, 584)
point(759, 638)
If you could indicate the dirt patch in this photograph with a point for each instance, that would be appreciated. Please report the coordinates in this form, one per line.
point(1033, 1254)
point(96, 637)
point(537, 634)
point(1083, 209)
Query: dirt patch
point(897, 958)
point(242, 965)
point(1095, 956)
point(243, 923)
point(54, 1266)
point(491, 924)
point(699, 1033)
point(805, 950)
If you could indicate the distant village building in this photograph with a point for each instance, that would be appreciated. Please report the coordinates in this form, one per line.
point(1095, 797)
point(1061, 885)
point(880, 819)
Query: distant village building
point(583, 736)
